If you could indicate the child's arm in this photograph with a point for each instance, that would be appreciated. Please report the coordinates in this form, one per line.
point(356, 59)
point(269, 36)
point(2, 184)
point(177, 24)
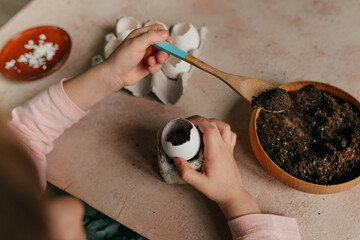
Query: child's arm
point(220, 181)
point(44, 118)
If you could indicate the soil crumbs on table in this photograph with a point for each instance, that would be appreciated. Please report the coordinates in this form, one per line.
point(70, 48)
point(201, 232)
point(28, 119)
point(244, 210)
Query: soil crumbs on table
point(275, 99)
point(317, 139)
point(180, 133)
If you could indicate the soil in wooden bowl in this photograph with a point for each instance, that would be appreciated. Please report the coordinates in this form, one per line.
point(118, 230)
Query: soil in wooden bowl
point(276, 99)
point(317, 139)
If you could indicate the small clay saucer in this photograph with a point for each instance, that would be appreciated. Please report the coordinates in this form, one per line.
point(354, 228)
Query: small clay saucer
point(13, 49)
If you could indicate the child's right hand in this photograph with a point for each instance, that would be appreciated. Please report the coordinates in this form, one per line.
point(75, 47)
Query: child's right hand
point(219, 179)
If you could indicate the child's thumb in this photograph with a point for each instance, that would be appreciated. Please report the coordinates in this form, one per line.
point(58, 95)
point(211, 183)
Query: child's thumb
point(188, 174)
point(151, 37)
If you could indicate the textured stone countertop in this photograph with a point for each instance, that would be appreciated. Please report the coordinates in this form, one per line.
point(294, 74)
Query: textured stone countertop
point(108, 158)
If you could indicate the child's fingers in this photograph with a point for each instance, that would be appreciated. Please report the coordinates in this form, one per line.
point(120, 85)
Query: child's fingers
point(233, 139)
point(211, 133)
point(148, 52)
point(151, 61)
point(204, 125)
point(224, 128)
point(137, 32)
point(154, 69)
point(161, 56)
point(149, 38)
point(188, 174)
point(158, 58)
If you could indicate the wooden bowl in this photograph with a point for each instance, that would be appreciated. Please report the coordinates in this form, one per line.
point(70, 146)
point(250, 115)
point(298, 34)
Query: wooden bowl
point(16, 47)
point(280, 174)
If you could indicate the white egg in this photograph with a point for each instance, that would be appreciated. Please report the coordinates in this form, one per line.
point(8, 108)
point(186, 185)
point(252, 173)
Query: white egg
point(185, 36)
point(111, 43)
point(125, 25)
point(186, 150)
point(174, 66)
point(149, 22)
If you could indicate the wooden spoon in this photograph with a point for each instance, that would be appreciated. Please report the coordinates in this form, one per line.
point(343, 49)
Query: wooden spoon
point(247, 87)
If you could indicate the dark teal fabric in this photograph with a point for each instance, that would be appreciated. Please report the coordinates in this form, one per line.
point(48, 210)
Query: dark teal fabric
point(100, 227)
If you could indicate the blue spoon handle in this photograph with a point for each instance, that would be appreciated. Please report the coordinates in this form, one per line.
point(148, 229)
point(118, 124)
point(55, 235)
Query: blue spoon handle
point(181, 54)
point(248, 90)
point(171, 49)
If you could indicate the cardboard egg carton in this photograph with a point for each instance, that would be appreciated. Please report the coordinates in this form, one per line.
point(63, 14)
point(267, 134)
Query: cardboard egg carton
point(170, 83)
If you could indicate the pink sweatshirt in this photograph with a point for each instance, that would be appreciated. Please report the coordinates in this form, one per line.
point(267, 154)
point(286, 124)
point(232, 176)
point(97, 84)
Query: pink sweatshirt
point(44, 118)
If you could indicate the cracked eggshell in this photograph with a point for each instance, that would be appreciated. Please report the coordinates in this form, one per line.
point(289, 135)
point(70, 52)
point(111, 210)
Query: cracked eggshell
point(185, 36)
point(125, 25)
point(186, 150)
point(149, 22)
point(173, 67)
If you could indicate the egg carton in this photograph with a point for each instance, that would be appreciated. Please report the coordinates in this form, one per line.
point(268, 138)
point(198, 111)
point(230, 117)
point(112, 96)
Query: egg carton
point(167, 166)
point(170, 83)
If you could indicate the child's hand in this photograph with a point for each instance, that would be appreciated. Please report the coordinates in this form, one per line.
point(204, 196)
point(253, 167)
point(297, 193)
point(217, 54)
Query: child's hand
point(132, 60)
point(135, 57)
point(220, 179)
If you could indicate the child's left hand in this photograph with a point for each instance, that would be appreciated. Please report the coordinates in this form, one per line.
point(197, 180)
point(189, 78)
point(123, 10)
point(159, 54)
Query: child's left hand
point(135, 57)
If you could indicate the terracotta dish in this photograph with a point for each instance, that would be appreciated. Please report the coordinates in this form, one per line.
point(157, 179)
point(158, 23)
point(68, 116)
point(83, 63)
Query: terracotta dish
point(280, 174)
point(16, 47)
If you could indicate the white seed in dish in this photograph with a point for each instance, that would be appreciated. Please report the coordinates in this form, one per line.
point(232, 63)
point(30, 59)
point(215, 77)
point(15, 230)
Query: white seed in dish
point(185, 36)
point(173, 147)
point(10, 64)
point(40, 53)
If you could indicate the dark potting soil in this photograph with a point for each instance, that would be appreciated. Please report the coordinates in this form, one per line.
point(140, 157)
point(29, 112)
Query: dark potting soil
point(275, 99)
point(317, 139)
point(180, 133)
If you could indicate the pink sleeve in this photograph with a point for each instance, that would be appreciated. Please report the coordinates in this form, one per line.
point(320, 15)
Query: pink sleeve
point(264, 226)
point(41, 120)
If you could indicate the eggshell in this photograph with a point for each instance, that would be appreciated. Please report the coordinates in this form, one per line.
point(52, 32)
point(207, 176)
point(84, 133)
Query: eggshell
point(173, 67)
point(125, 25)
point(185, 36)
point(149, 22)
point(186, 150)
point(121, 36)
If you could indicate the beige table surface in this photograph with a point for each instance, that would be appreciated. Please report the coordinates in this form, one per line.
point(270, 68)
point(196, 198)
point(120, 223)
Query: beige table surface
point(108, 158)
